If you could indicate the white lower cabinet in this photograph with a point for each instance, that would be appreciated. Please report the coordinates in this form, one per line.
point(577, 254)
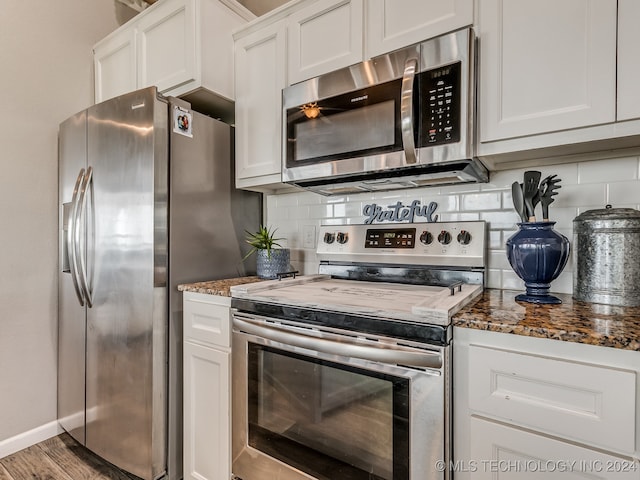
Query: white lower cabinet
point(525, 407)
point(207, 396)
point(505, 453)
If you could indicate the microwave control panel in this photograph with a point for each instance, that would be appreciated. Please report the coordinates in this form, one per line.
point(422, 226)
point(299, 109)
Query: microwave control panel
point(439, 105)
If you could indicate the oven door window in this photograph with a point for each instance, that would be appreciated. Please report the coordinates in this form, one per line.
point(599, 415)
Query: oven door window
point(327, 419)
point(359, 123)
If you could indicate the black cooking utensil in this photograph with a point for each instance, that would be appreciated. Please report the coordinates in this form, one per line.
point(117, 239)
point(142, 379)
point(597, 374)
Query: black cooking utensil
point(547, 190)
point(529, 189)
point(518, 200)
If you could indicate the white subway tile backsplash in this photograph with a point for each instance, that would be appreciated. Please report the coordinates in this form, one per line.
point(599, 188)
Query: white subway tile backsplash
point(511, 281)
point(320, 211)
point(481, 201)
point(300, 213)
point(446, 203)
point(585, 186)
point(610, 170)
point(493, 278)
point(494, 238)
point(567, 173)
point(309, 198)
point(288, 199)
point(562, 216)
point(458, 217)
point(277, 215)
point(500, 220)
point(623, 193)
point(578, 195)
point(497, 259)
point(503, 179)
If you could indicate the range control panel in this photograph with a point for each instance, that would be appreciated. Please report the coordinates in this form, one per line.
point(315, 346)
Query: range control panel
point(438, 243)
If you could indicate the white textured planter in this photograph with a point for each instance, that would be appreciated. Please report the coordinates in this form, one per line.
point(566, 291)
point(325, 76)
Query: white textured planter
point(270, 267)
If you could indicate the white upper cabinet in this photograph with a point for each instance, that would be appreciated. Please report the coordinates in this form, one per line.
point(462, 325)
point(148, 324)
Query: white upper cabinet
point(628, 61)
point(179, 46)
point(392, 24)
point(167, 49)
point(545, 66)
point(325, 35)
point(260, 78)
point(115, 65)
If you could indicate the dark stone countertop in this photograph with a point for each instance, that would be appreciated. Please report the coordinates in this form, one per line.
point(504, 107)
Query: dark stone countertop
point(217, 287)
point(571, 321)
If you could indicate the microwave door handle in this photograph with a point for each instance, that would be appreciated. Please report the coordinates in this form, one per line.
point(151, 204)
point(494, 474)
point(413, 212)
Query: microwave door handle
point(406, 110)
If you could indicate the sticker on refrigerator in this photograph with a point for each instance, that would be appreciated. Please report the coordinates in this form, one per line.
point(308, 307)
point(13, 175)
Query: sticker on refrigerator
point(182, 121)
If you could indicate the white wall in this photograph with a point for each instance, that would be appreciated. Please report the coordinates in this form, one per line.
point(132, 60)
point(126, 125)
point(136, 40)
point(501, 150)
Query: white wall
point(585, 186)
point(45, 76)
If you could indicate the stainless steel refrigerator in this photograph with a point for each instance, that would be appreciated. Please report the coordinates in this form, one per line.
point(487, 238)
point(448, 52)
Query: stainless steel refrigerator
point(146, 203)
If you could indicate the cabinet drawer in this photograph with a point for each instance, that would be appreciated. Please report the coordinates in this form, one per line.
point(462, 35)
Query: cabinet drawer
point(207, 319)
point(499, 452)
point(577, 401)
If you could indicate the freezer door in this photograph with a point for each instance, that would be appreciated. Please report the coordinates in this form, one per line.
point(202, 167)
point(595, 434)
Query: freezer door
point(208, 220)
point(72, 163)
point(127, 324)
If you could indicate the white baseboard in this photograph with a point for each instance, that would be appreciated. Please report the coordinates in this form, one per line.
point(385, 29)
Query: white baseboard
point(31, 437)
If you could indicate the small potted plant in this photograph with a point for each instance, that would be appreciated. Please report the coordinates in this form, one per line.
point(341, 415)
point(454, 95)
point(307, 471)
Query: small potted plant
point(271, 257)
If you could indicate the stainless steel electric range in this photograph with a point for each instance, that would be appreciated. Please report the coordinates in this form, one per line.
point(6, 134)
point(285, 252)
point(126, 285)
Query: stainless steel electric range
point(345, 375)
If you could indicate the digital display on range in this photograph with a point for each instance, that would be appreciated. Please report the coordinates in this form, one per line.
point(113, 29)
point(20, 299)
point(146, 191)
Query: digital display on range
point(390, 238)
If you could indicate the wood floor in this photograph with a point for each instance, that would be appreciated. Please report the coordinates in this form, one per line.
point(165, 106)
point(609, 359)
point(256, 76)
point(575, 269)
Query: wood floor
point(58, 458)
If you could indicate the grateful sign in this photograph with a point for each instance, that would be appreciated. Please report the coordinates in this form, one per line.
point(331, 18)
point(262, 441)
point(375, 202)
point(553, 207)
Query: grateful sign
point(399, 212)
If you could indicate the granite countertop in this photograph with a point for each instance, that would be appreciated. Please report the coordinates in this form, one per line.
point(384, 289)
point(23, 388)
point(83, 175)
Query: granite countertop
point(571, 321)
point(217, 287)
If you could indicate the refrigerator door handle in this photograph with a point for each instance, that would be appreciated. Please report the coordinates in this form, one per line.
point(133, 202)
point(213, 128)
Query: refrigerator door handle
point(82, 245)
point(72, 239)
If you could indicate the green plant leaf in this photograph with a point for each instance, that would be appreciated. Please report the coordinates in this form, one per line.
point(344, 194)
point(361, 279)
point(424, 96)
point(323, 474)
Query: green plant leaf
point(263, 239)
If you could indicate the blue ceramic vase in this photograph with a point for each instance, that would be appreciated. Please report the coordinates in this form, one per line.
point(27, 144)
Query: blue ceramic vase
point(538, 254)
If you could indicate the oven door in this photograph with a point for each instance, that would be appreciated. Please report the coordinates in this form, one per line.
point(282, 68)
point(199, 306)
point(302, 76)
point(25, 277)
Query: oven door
point(320, 404)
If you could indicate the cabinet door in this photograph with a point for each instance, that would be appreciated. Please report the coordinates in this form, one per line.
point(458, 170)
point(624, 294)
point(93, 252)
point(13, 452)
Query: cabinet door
point(115, 65)
point(260, 78)
point(585, 403)
point(545, 66)
point(324, 36)
point(392, 25)
point(205, 321)
point(628, 64)
point(499, 452)
point(167, 47)
point(207, 431)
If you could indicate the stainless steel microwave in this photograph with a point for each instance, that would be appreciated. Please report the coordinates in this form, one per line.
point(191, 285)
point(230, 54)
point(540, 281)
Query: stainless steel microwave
point(400, 120)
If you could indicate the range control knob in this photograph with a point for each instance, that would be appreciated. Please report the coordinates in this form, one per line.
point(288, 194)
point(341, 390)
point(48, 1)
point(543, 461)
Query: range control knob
point(464, 237)
point(329, 237)
point(342, 238)
point(426, 237)
point(444, 238)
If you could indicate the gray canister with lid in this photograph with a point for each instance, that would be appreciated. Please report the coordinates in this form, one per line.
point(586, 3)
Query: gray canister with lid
point(606, 255)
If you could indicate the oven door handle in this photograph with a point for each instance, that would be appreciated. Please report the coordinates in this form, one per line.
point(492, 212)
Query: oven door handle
point(383, 353)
